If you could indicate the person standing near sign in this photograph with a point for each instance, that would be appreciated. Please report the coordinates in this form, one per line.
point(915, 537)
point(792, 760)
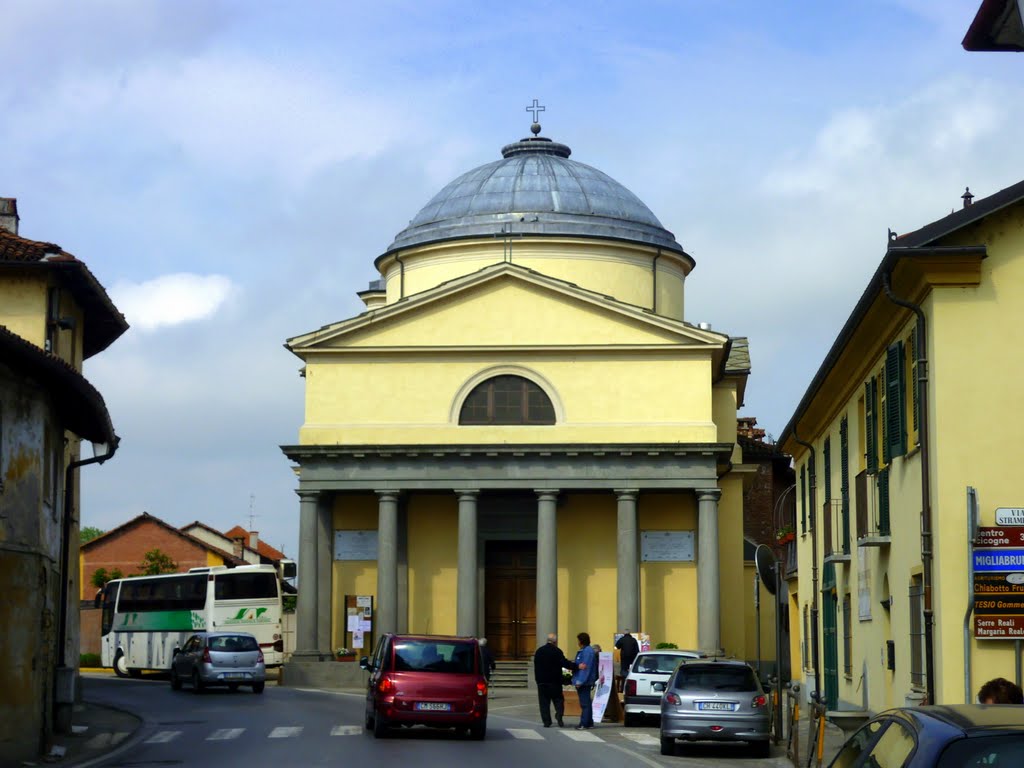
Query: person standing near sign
point(584, 679)
point(548, 663)
point(1000, 691)
point(629, 648)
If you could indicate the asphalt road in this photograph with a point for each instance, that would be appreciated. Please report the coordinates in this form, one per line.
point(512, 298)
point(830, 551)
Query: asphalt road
point(292, 727)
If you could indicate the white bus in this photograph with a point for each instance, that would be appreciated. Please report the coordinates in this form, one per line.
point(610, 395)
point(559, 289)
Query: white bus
point(146, 617)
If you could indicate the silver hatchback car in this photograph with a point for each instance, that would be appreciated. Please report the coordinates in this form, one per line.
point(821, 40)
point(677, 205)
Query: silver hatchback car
point(219, 658)
point(715, 700)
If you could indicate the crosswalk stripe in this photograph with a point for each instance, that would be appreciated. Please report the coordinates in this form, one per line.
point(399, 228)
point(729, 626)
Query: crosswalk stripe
point(525, 733)
point(346, 730)
point(582, 736)
point(642, 738)
point(99, 741)
point(223, 734)
point(285, 732)
point(162, 737)
point(118, 737)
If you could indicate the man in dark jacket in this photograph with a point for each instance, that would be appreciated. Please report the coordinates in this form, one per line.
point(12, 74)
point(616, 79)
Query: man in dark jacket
point(628, 650)
point(548, 663)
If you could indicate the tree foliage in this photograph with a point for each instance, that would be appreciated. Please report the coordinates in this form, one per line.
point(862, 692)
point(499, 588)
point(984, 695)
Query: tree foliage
point(89, 533)
point(100, 577)
point(154, 562)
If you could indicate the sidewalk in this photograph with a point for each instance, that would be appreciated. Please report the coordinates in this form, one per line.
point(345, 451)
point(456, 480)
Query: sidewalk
point(97, 732)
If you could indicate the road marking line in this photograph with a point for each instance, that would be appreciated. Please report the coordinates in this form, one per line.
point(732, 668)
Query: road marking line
point(525, 733)
point(582, 736)
point(223, 734)
point(643, 738)
point(99, 741)
point(162, 737)
point(346, 730)
point(285, 732)
point(118, 737)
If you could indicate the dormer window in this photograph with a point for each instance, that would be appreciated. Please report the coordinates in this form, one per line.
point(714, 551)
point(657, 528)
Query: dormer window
point(507, 400)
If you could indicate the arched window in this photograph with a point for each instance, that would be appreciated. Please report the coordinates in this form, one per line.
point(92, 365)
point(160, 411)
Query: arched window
point(507, 400)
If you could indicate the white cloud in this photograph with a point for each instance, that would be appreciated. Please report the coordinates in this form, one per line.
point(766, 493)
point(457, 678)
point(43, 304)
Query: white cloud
point(171, 299)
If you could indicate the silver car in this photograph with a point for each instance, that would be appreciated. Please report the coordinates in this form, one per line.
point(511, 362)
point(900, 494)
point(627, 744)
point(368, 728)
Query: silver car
point(715, 700)
point(646, 680)
point(219, 658)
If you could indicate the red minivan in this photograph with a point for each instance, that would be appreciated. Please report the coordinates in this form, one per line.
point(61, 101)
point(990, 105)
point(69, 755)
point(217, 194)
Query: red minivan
point(429, 680)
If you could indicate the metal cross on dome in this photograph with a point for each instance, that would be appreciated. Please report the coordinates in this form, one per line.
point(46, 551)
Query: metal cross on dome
point(535, 108)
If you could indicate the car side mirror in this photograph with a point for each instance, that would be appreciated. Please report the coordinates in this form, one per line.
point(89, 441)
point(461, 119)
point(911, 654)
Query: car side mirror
point(175, 652)
point(364, 662)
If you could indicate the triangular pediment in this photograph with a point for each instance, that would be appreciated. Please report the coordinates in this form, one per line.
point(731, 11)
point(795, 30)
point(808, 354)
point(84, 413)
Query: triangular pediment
point(505, 306)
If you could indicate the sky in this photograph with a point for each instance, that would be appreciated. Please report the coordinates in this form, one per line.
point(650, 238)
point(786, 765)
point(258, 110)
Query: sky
point(229, 171)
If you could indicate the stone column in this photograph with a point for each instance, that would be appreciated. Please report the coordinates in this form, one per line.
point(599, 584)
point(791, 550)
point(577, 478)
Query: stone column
point(325, 575)
point(387, 562)
point(627, 613)
point(466, 622)
point(547, 565)
point(308, 598)
point(709, 616)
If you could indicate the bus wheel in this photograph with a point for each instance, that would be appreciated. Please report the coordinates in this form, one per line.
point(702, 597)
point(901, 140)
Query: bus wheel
point(120, 665)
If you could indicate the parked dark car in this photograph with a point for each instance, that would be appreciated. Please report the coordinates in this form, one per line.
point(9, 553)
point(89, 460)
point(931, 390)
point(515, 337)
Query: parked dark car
point(219, 658)
point(431, 680)
point(714, 700)
point(953, 736)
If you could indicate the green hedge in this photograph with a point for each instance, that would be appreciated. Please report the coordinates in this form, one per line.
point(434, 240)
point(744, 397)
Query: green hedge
point(660, 646)
point(89, 660)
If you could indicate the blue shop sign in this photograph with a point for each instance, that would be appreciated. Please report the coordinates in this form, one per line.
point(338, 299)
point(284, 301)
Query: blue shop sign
point(999, 560)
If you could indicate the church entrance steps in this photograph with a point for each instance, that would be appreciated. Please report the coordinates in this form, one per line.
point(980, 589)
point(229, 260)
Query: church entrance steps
point(511, 674)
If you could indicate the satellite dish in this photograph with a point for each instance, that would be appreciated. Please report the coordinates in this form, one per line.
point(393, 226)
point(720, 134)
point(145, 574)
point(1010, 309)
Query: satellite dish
point(764, 560)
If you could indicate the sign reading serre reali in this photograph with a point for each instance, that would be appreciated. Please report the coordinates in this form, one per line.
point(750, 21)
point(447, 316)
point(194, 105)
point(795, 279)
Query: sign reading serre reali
point(1009, 515)
point(999, 560)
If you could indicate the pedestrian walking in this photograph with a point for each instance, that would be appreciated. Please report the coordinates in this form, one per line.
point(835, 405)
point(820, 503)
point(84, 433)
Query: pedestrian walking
point(488, 658)
point(629, 648)
point(548, 663)
point(584, 679)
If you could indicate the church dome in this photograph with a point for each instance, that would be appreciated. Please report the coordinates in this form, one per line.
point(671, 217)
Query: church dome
point(535, 190)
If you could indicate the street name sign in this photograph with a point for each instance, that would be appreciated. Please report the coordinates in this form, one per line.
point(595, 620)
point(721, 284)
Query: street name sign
point(1009, 515)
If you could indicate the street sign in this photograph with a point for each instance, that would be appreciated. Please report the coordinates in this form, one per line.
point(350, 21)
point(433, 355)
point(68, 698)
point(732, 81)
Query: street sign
point(1007, 536)
point(999, 627)
point(998, 560)
point(1009, 515)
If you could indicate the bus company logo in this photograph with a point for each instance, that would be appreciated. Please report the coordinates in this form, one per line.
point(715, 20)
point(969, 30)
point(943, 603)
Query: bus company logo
point(249, 616)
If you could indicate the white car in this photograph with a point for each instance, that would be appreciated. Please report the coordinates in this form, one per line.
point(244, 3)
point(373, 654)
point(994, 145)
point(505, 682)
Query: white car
point(646, 680)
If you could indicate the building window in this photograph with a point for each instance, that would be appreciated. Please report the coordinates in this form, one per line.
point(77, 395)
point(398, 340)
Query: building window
point(826, 459)
point(507, 400)
point(912, 387)
point(916, 632)
point(803, 499)
point(895, 401)
point(871, 424)
point(847, 636)
point(844, 480)
point(883, 502)
point(806, 639)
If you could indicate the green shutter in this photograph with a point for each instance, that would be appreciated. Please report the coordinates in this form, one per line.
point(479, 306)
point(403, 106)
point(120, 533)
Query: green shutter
point(883, 502)
point(870, 425)
point(895, 400)
point(803, 499)
point(913, 374)
point(844, 480)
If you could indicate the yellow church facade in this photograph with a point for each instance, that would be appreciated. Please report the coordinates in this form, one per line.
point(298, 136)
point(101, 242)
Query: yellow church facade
point(904, 443)
point(521, 434)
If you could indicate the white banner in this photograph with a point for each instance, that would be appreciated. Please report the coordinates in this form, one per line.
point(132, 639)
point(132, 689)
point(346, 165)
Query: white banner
point(605, 677)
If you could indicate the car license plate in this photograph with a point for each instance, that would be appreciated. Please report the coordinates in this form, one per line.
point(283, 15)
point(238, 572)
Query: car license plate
point(235, 676)
point(433, 706)
point(716, 706)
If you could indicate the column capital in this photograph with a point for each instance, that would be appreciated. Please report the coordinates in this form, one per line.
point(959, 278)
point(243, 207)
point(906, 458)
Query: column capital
point(466, 492)
point(627, 492)
point(304, 494)
point(388, 495)
point(547, 494)
point(708, 494)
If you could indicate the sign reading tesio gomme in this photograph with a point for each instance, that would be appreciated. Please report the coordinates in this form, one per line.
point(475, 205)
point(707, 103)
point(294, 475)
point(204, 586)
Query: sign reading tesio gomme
point(1009, 515)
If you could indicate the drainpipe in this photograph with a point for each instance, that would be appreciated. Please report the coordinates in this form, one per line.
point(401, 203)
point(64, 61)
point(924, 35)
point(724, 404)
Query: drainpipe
point(654, 281)
point(64, 697)
point(926, 494)
point(814, 566)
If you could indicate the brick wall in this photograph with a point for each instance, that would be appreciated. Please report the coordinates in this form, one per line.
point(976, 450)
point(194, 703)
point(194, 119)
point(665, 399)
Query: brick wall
point(124, 550)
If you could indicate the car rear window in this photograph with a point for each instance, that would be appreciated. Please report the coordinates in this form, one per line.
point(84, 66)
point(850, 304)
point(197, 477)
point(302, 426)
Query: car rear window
point(711, 677)
point(1003, 750)
point(234, 643)
point(656, 663)
point(434, 656)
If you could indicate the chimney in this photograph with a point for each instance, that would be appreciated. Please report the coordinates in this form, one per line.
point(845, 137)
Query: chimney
point(967, 197)
point(9, 214)
point(254, 540)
